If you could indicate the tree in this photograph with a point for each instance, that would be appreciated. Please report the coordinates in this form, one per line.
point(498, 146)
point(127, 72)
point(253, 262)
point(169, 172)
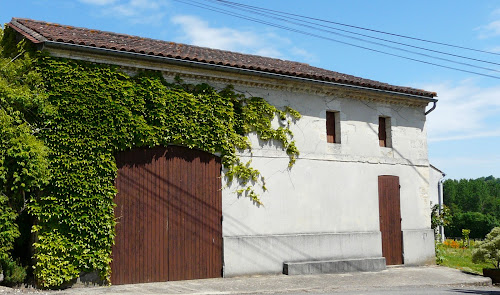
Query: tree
point(475, 204)
point(478, 223)
point(489, 249)
point(23, 158)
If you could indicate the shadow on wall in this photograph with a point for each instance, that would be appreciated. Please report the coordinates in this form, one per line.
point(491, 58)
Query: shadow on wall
point(412, 164)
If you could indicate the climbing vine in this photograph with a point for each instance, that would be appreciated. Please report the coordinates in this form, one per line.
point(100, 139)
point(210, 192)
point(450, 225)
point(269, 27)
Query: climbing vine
point(97, 111)
point(23, 162)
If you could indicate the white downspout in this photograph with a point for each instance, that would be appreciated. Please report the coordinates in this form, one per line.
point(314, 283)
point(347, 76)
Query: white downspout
point(440, 202)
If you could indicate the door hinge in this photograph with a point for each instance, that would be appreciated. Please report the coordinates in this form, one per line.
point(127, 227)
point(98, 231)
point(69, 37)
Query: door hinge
point(221, 218)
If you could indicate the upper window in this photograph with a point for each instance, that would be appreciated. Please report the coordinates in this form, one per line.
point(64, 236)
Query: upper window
point(333, 127)
point(384, 132)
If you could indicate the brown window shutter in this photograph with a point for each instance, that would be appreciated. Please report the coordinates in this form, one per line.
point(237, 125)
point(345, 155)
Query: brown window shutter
point(382, 136)
point(330, 127)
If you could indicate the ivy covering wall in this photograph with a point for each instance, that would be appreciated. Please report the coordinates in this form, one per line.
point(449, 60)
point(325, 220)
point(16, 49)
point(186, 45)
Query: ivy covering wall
point(23, 157)
point(97, 111)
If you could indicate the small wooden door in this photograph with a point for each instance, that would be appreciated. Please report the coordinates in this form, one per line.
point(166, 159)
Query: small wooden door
point(168, 212)
point(390, 219)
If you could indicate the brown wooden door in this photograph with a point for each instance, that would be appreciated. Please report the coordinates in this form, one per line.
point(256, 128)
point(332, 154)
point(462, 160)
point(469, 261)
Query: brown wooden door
point(168, 216)
point(390, 219)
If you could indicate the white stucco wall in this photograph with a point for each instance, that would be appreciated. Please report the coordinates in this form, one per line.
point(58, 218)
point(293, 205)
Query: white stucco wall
point(326, 205)
point(332, 188)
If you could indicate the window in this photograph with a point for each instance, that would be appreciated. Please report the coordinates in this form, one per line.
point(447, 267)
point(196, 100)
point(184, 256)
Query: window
point(384, 132)
point(332, 127)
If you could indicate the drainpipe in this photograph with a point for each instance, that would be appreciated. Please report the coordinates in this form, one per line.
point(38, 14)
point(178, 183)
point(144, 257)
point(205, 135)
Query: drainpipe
point(431, 109)
point(440, 202)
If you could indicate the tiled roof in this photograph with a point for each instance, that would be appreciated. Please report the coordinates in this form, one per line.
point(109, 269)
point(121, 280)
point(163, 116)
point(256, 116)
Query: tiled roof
point(39, 32)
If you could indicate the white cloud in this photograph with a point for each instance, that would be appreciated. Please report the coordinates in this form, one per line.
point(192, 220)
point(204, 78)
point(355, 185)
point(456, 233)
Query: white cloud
point(490, 30)
point(484, 160)
point(469, 165)
point(493, 133)
point(309, 57)
point(495, 49)
point(464, 111)
point(134, 11)
point(270, 52)
point(197, 31)
point(98, 2)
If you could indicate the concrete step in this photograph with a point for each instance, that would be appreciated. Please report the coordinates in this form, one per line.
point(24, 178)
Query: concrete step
point(334, 266)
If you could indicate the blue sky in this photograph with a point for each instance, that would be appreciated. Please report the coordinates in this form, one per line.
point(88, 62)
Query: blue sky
point(464, 130)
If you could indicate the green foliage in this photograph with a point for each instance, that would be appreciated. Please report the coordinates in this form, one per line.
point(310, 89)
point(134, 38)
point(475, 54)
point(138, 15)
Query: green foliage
point(14, 273)
point(61, 124)
point(23, 164)
point(97, 111)
point(440, 217)
point(454, 256)
point(478, 223)
point(465, 237)
point(23, 157)
point(9, 230)
point(472, 200)
point(257, 115)
point(439, 251)
point(57, 259)
point(8, 45)
point(489, 249)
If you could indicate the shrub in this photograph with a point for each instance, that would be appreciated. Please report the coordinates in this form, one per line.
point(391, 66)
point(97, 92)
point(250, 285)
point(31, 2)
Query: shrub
point(489, 249)
point(14, 274)
point(472, 243)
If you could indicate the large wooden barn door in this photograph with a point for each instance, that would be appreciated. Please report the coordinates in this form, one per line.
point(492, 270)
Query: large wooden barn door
point(390, 219)
point(168, 211)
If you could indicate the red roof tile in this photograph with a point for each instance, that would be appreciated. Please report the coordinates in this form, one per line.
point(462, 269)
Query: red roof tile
point(39, 32)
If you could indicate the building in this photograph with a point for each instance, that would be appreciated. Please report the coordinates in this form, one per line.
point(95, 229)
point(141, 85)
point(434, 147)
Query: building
point(360, 187)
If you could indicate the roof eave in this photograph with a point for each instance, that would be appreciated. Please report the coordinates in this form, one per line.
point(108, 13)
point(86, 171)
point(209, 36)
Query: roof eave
point(26, 32)
point(438, 170)
point(53, 44)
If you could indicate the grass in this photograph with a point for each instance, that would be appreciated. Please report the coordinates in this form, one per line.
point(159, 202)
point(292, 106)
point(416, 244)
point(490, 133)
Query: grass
point(459, 258)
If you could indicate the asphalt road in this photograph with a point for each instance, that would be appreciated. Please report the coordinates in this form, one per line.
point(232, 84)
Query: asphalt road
point(394, 280)
point(413, 291)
